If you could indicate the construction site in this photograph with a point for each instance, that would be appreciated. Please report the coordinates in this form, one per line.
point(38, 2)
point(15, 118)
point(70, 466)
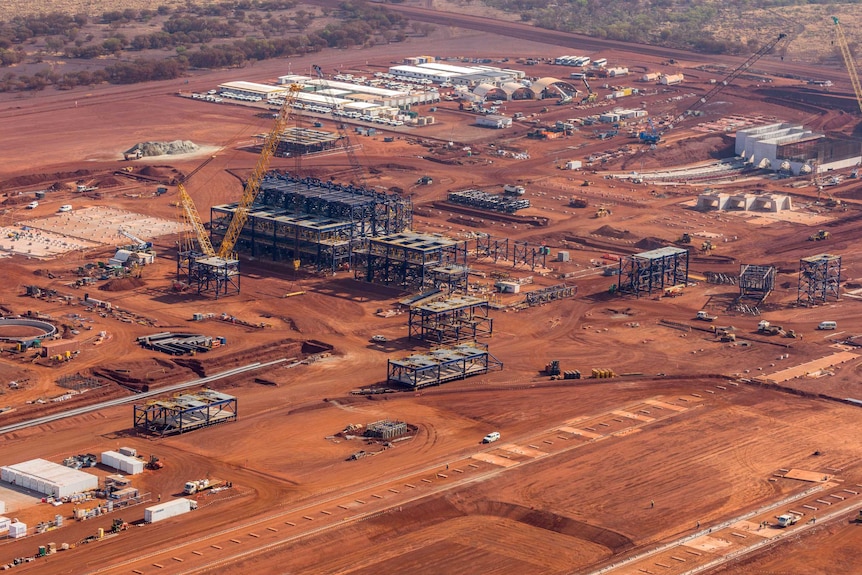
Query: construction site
point(600, 365)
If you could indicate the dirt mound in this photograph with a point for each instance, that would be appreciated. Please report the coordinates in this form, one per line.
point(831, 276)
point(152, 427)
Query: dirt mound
point(647, 244)
point(152, 171)
point(107, 182)
point(692, 150)
point(33, 179)
point(148, 149)
point(122, 284)
point(611, 232)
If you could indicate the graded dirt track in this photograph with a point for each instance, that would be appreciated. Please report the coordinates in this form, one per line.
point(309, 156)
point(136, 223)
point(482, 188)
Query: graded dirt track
point(587, 473)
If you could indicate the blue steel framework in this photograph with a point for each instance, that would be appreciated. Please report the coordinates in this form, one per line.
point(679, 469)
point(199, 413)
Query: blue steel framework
point(654, 270)
point(442, 365)
point(819, 279)
point(185, 412)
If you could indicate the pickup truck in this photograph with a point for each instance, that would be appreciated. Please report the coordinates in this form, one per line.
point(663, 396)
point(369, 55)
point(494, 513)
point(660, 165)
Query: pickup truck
point(704, 316)
point(787, 519)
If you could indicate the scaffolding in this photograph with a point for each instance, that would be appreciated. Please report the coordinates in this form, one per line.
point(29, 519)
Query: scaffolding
point(208, 275)
point(819, 279)
point(185, 412)
point(654, 270)
point(410, 261)
point(312, 222)
point(523, 253)
point(386, 429)
point(491, 202)
point(756, 282)
point(450, 320)
point(442, 365)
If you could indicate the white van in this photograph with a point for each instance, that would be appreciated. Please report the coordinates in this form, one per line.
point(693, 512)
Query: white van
point(491, 437)
point(828, 325)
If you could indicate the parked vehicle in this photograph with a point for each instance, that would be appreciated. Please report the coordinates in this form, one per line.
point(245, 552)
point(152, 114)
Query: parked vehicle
point(828, 325)
point(65, 208)
point(32, 205)
point(491, 437)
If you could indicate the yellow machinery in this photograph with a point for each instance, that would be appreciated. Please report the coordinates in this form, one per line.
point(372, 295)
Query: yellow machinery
point(848, 60)
point(820, 235)
point(252, 188)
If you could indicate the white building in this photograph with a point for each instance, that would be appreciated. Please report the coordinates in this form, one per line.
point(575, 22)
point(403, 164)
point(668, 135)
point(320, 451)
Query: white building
point(493, 121)
point(671, 79)
point(125, 463)
point(49, 478)
point(264, 91)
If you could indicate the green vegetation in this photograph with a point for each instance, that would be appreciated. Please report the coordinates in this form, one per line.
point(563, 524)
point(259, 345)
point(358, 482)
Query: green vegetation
point(706, 26)
point(226, 34)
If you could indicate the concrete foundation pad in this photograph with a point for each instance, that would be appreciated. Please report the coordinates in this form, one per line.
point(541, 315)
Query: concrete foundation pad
point(528, 451)
point(495, 459)
point(708, 543)
point(803, 475)
point(581, 432)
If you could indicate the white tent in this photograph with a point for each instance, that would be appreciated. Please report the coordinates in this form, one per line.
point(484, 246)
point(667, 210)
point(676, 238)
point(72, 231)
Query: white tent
point(48, 478)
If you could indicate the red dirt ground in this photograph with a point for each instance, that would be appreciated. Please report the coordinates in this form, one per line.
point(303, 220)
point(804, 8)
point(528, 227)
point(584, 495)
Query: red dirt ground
point(700, 444)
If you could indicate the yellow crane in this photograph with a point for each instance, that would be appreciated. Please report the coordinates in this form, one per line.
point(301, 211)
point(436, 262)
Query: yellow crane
point(192, 217)
point(848, 60)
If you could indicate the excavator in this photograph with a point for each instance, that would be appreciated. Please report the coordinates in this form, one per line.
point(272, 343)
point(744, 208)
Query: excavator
point(591, 96)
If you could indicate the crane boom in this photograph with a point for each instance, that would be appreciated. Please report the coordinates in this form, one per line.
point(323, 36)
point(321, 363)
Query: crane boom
point(848, 60)
point(252, 185)
point(193, 219)
point(730, 78)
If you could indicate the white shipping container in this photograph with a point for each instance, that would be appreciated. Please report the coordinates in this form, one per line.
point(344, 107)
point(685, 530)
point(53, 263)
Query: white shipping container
point(130, 451)
point(17, 529)
point(124, 463)
point(167, 510)
point(4, 523)
point(2, 507)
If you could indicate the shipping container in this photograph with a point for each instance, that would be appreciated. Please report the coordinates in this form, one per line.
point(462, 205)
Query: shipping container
point(129, 451)
point(124, 463)
point(17, 530)
point(4, 524)
point(167, 510)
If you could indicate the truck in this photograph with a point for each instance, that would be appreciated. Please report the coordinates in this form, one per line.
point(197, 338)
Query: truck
point(192, 487)
point(704, 316)
point(514, 190)
point(787, 519)
point(769, 329)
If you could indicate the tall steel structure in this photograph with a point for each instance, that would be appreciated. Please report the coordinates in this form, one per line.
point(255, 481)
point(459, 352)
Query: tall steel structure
point(450, 320)
point(819, 279)
point(408, 260)
point(756, 282)
point(313, 222)
point(204, 268)
point(654, 270)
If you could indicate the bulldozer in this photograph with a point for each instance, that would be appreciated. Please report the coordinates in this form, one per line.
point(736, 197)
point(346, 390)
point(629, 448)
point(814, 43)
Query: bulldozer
point(706, 247)
point(820, 235)
point(684, 239)
point(602, 212)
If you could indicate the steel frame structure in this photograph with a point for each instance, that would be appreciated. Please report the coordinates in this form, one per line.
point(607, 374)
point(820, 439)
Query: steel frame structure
point(312, 222)
point(819, 279)
point(523, 253)
point(208, 275)
point(450, 320)
point(654, 270)
point(756, 281)
point(490, 247)
point(407, 260)
point(442, 365)
point(185, 412)
point(549, 294)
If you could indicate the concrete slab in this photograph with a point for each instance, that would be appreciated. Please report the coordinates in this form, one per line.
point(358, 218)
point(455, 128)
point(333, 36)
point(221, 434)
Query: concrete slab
point(812, 367)
point(581, 432)
point(803, 475)
point(494, 459)
point(708, 543)
point(520, 450)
